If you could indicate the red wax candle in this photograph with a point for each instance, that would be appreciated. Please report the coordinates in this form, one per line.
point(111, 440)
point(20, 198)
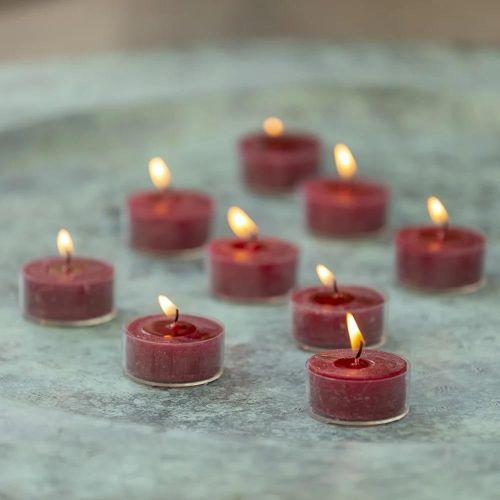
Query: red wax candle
point(371, 391)
point(181, 352)
point(274, 161)
point(250, 268)
point(67, 290)
point(347, 206)
point(168, 220)
point(440, 258)
point(319, 314)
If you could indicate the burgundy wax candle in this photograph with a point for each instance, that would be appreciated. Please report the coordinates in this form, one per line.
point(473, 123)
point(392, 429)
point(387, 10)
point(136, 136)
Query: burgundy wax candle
point(319, 314)
point(440, 258)
point(67, 290)
point(250, 268)
point(274, 161)
point(168, 221)
point(181, 352)
point(371, 391)
point(344, 207)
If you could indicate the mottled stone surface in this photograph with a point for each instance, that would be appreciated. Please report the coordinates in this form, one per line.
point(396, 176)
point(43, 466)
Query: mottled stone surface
point(75, 136)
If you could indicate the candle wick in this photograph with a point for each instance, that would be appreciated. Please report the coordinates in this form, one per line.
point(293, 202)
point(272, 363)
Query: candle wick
point(443, 233)
point(176, 316)
point(67, 262)
point(335, 287)
point(253, 240)
point(358, 354)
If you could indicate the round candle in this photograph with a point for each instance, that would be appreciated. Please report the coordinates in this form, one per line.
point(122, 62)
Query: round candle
point(319, 312)
point(344, 207)
point(367, 388)
point(67, 290)
point(441, 257)
point(168, 220)
point(276, 161)
point(179, 351)
point(250, 268)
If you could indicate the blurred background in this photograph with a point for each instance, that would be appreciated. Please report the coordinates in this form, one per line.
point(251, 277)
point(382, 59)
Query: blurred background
point(36, 28)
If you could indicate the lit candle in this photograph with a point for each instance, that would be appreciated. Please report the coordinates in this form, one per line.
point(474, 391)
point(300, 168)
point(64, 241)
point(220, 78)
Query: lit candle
point(250, 267)
point(277, 160)
point(318, 313)
point(67, 290)
point(173, 349)
point(440, 257)
point(359, 386)
point(166, 220)
point(346, 206)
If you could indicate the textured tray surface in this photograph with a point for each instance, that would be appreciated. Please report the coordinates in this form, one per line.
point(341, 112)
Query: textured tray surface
point(75, 137)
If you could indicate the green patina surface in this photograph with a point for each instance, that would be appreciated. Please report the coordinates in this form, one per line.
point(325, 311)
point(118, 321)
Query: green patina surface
point(75, 137)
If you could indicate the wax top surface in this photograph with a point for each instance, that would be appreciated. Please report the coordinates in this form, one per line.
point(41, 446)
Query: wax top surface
point(83, 270)
point(357, 188)
point(430, 238)
point(172, 203)
point(382, 365)
point(290, 141)
point(204, 329)
point(264, 250)
point(350, 297)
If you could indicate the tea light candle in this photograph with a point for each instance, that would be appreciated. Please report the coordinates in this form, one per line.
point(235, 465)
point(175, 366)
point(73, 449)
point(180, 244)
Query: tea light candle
point(357, 387)
point(319, 312)
point(67, 290)
point(249, 267)
point(172, 349)
point(440, 257)
point(275, 161)
point(347, 206)
point(165, 220)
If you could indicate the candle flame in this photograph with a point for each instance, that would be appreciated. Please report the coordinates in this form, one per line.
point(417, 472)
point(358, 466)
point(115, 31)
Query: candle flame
point(344, 161)
point(241, 224)
point(64, 243)
point(167, 306)
point(325, 275)
point(273, 126)
point(355, 335)
point(159, 173)
point(437, 211)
